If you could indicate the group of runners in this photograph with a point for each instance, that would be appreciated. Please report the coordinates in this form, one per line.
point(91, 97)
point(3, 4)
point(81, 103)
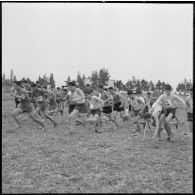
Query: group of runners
point(98, 104)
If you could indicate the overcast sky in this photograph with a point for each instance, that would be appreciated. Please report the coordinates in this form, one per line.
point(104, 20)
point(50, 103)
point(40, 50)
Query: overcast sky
point(150, 41)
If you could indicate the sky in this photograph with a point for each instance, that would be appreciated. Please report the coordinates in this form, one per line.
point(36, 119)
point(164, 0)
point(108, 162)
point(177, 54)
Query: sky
point(149, 41)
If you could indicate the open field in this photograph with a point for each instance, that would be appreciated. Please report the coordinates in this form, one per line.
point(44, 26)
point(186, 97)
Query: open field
point(84, 162)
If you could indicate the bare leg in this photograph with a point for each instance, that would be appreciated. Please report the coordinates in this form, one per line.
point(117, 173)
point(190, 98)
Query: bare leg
point(14, 114)
point(168, 126)
point(37, 120)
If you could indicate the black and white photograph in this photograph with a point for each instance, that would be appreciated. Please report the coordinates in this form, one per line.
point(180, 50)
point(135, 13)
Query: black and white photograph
point(97, 97)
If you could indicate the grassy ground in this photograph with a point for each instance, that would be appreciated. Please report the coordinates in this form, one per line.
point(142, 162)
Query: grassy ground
point(59, 161)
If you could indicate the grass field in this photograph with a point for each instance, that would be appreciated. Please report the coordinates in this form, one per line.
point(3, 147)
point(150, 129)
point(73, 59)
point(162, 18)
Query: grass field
point(113, 161)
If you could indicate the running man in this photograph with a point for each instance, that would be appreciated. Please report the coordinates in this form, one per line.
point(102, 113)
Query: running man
point(24, 106)
point(169, 100)
point(96, 105)
point(78, 98)
point(118, 104)
point(137, 109)
point(40, 97)
point(107, 108)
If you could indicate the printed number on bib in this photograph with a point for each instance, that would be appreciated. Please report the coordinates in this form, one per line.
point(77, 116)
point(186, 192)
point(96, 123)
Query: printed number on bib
point(133, 103)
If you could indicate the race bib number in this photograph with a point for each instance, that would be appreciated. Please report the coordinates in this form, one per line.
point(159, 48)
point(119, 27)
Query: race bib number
point(134, 103)
point(168, 102)
point(40, 98)
point(91, 106)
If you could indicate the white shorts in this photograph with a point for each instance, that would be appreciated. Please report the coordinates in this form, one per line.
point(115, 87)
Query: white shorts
point(157, 109)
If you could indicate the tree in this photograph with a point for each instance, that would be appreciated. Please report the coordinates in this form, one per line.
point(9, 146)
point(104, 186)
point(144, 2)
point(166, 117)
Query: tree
point(94, 78)
point(129, 85)
point(80, 81)
point(67, 80)
point(119, 84)
point(103, 76)
point(138, 85)
point(158, 85)
point(144, 85)
point(11, 76)
point(3, 79)
point(51, 80)
point(45, 80)
point(14, 78)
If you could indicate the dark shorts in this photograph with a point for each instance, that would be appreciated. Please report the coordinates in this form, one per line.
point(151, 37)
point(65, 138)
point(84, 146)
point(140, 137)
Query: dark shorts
point(130, 107)
point(43, 105)
point(136, 112)
point(26, 107)
point(146, 109)
point(190, 117)
point(82, 108)
point(17, 102)
point(117, 107)
point(107, 109)
point(95, 111)
point(170, 110)
point(58, 101)
point(71, 107)
point(53, 105)
point(35, 103)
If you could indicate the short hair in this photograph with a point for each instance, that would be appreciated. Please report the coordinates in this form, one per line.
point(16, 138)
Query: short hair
point(33, 84)
point(58, 88)
point(19, 83)
point(111, 88)
point(138, 92)
point(72, 83)
point(168, 87)
point(130, 92)
point(24, 81)
point(100, 86)
point(148, 93)
point(87, 85)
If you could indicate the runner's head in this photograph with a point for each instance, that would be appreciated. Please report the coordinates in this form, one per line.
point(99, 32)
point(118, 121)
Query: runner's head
point(17, 85)
point(130, 93)
point(100, 88)
point(138, 92)
point(87, 85)
point(111, 90)
point(72, 86)
point(168, 89)
point(148, 94)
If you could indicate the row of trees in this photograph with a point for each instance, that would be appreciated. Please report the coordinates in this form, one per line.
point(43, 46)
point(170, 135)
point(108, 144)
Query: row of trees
point(44, 80)
point(102, 77)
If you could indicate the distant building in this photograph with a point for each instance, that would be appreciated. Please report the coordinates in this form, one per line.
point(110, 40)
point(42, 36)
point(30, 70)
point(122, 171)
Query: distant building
point(110, 83)
point(87, 81)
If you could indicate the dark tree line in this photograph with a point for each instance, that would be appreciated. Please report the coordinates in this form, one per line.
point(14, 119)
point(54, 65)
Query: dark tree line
point(102, 77)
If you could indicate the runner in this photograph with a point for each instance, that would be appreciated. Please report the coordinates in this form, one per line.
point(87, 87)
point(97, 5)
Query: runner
point(118, 104)
point(96, 105)
point(40, 97)
point(77, 97)
point(137, 109)
point(24, 106)
point(107, 108)
point(169, 111)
